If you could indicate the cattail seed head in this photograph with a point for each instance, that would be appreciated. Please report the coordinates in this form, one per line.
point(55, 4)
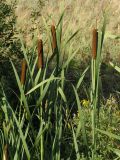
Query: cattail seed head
point(94, 43)
point(40, 54)
point(23, 71)
point(54, 39)
point(5, 153)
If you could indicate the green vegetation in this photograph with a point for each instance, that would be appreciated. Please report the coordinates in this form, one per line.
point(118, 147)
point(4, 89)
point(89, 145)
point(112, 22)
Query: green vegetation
point(8, 44)
point(58, 110)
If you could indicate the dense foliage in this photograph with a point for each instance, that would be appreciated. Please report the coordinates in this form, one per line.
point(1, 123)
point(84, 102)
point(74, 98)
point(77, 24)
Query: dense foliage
point(52, 114)
point(8, 44)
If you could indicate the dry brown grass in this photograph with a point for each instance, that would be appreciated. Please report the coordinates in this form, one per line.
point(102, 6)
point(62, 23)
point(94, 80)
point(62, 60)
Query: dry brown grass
point(82, 13)
point(79, 14)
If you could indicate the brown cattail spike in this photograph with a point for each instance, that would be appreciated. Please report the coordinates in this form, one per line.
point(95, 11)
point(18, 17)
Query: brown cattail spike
point(94, 43)
point(40, 54)
point(23, 71)
point(5, 153)
point(54, 39)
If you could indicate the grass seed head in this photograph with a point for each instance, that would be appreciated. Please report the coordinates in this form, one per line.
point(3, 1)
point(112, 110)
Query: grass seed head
point(40, 54)
point(23, 71)
point(94, 43)
point(54, 39)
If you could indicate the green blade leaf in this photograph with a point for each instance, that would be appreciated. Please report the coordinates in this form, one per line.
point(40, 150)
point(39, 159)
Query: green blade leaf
point(76, 145)
point(42, 83)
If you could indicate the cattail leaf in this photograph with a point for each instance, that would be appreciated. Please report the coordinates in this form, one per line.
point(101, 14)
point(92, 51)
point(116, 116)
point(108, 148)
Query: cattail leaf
point(59, 36)
point(59, 29)
point(48, 32)
point(81, 115)
point(1, 141)
point(40, 132)
point(111, 135)
point(34, 66)
point(103, 30)
point(61, 19)
point(44, 91)
point(76, 145)
point(111, 36)
point(117, 37)
point(42, 83)
point(62, 94)
point(3, 106)
point(21, 136)
point(17, 149)
point(71, 37)
point(70, 58)
point(81, 78)
point(62, 79)
point(27, 60)
point(37, 76)
point(115, 67)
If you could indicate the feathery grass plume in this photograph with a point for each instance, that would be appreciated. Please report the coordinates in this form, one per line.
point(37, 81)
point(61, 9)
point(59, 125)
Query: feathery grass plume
point(23, 71)
point(40, 53)
point(94, 43)
point(5, 153)
point(54, 39)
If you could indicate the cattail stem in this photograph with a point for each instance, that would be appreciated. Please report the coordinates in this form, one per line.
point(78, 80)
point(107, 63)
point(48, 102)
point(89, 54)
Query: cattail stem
point(5, 153)
point(40, 54)
point(23, 71)
point(54, 39)
point(94, 43)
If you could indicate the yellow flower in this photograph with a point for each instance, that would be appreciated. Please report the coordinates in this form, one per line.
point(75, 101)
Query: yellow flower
point(85, 103)
point(69, 126)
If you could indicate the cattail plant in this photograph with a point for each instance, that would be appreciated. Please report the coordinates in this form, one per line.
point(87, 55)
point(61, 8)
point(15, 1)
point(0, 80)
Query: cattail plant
point(94, 61)
point(97, 43)
point(94, 43)
point(94, 85)
point(40, 66)
point(55, 47)
point(40, 54)
point(5, 153)
point(54, 39)
point(23, 71)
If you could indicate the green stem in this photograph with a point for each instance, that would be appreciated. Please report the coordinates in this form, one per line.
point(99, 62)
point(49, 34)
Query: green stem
point(41, 141)
point(94, 103)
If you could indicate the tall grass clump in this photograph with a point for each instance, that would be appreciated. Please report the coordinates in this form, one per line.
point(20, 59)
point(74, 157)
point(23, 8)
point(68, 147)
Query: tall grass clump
point(43, 124)
point(36, 123)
